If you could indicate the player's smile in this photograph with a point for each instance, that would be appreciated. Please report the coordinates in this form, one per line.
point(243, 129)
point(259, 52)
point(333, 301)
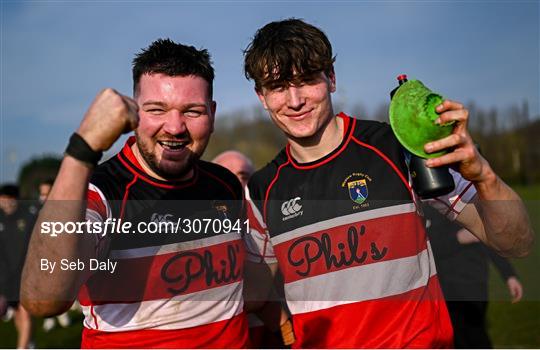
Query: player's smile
point(176, 120)
point(301, 110)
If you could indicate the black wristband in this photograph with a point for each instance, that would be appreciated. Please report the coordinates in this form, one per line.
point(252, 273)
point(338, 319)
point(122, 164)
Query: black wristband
point(79, 149)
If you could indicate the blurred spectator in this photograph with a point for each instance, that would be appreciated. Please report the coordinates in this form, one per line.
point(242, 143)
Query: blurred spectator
point(237, 163)
point(63, 320)
point(241, 166)
point(44, 188)
point(463, 271)
point(15, 228)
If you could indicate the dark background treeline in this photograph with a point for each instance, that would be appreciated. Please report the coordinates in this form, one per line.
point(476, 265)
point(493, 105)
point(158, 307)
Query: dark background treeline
point(509, 138)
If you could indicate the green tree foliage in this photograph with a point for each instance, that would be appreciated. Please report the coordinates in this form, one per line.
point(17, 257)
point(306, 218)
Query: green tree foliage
point(509, 141)
point(508, 137)
point(36, 170)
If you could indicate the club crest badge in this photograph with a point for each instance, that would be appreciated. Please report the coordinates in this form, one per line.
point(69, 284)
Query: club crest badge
point(356, 185)
point(358, 190)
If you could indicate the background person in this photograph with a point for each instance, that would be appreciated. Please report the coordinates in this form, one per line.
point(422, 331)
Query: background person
point(261, 335)
point(237, 163)
point(463, 270)
point(44, 188)
point(15, 227)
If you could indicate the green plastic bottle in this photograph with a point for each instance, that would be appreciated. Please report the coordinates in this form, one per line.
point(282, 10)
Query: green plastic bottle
point(412, 118)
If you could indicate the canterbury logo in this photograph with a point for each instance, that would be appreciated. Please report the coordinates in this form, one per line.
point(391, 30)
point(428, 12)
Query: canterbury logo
point(161, 218)
point(291, 206)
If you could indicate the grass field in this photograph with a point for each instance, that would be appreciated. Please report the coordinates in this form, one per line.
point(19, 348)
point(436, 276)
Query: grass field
point(69, 337)
point(510, 325)
point(518, 325)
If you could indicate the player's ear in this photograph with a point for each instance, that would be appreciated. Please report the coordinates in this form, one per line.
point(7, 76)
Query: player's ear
point(260, 95)
point(332, 81)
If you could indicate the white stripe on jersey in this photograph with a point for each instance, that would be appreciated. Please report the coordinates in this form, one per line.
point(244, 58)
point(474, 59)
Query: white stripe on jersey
point(453, 203)
point(344, 220)
point(182, 311)
point(94, 188)
point(255, 210)
point(174, 247)
point(258, 246)
point(93, 216)
point(360, 283)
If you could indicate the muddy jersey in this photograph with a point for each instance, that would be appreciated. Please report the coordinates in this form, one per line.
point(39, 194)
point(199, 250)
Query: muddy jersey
point(345, 232)
point(171, 289)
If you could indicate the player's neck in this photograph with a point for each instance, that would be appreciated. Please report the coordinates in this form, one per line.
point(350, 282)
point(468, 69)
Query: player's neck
point(307, 150)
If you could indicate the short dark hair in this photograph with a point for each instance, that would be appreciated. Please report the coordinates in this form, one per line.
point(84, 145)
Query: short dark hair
point(47, 181)
point(9, 190)
point(167, 57)
point(288, 51)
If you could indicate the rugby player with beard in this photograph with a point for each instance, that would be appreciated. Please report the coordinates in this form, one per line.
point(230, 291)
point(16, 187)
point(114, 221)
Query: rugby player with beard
point(167, 290)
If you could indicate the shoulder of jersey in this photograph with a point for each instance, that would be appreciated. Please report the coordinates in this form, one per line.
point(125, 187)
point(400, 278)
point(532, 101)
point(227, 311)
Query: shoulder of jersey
point(372, 130)
point(111, 166)
point(111, 175)
point(223, 173)
point(261, 179)
point(376, 133)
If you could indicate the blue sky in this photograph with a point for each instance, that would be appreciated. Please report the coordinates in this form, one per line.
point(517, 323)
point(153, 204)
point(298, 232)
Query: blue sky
point(56, 55)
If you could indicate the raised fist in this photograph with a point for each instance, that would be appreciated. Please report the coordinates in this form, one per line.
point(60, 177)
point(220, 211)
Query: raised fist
point(110, 115)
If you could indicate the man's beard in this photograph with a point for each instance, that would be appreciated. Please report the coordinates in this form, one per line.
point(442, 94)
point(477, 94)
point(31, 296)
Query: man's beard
point(178, 170)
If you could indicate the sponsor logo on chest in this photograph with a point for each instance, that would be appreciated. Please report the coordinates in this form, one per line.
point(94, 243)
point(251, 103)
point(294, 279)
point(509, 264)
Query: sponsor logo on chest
point(291, 208)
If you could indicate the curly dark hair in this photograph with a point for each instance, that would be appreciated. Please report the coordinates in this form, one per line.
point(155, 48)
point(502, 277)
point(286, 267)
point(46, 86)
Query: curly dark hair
point(285, 52)
point(167, 57)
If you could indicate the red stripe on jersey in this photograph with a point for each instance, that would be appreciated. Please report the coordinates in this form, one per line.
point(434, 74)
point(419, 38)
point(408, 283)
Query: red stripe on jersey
point(415, 319)
point(346, 121)
point(128, 152)
point(351, 245)
point(458, 198)
point(126, 194)
point(270, 187)
point(166, 275)
point(95, 203)
point(227, 334)
point(333, 156)
point(94, 317)
point(254, 222)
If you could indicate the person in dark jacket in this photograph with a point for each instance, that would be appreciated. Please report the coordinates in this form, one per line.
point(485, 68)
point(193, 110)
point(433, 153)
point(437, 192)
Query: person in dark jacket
point(463, 268)
point(16, 224)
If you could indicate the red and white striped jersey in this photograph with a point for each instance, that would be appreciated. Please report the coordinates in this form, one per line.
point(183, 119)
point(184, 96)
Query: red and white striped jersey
point(180, 289)
point(350, 243)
